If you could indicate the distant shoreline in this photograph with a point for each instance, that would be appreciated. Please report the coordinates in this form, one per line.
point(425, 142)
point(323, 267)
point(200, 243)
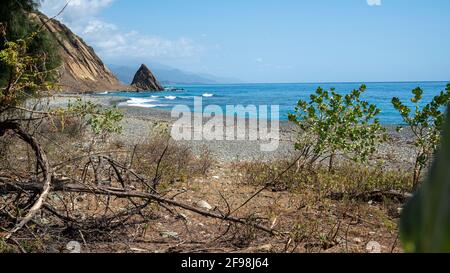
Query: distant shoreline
point(61, 100)
point(281, 83)
point(139, 123)
point(285, 96)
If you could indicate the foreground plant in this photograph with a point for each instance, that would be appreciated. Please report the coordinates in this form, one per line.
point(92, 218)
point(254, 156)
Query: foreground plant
point(334, 124)
point(102, 121)
point(426, 123)
point(26, 78)
point(425, 224)
point(29, 80)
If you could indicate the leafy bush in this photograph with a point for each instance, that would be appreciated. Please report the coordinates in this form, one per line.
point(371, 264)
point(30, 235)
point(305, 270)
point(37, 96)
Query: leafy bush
point(102, 121)
point(333, 123)
point(426, 123)
point(18, 25)
point(425, 225)
point(26, 77)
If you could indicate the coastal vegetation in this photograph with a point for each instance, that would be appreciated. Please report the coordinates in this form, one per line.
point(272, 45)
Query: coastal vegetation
point(69, 176)
point(15, 27)
point(425, 225)
point(332, 123)
point(426, 123)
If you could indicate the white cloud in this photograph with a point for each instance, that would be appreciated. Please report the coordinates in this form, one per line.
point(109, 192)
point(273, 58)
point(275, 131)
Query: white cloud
point(374, 2)
point(76, 10)
point(109, 40)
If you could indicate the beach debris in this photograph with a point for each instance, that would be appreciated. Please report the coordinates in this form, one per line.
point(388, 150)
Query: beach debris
point(274, 223)
point(73, 247)
point(135, 249)
point(204, 205)
point(182, 216)
point(373, 247)
point(260, 249)
point(170, 234)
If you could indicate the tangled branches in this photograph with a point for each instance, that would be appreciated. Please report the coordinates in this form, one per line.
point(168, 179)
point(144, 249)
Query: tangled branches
point(102, 195)
point(42, 163)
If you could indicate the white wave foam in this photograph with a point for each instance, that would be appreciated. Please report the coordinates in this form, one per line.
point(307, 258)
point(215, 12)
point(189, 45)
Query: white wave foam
point(170, 97)
point(139, 100)
point(207, 95)
point(147, 105)
point(142, 102)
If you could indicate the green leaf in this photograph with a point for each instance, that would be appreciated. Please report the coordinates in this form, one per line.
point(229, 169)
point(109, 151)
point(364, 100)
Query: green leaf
point(418, 92)
point(425, 223)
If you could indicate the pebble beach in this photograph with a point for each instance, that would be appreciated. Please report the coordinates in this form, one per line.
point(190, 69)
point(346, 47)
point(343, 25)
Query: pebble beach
point(140, 123)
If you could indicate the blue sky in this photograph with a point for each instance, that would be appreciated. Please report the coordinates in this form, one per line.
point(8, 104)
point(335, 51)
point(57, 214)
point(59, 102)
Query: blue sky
point(269, 40)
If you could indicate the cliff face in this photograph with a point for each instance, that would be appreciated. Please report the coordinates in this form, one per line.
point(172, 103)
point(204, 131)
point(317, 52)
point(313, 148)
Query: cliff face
point(82, 70)
point(144, 80)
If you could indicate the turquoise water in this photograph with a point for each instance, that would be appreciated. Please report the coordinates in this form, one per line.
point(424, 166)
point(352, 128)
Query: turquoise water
point(284, 95)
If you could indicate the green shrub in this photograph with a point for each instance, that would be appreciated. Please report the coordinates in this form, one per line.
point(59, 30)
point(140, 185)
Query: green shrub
point(426, 123)
point(332, 123)
point(19, 25)
point(102, 121)
point(425, 224)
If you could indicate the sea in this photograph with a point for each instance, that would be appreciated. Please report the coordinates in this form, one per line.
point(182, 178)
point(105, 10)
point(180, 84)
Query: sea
point(285, 95)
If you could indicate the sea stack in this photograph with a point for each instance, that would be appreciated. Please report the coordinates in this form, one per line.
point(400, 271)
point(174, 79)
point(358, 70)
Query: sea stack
point(144, 80)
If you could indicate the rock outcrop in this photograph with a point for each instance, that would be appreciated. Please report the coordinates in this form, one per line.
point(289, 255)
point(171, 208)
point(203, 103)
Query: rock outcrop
point(82, 71)
point(144, 80)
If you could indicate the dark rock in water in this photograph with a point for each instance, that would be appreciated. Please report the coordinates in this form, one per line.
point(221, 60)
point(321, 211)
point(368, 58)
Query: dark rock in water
point(145, 80)
point(174, 89)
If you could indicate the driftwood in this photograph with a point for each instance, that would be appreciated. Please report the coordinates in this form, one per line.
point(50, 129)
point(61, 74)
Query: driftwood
point(8, 187)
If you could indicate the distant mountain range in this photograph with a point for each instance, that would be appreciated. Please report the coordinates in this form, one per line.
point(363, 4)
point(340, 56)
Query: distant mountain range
point(168, 75)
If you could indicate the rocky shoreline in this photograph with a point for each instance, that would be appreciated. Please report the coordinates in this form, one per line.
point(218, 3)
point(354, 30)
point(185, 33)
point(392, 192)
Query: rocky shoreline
point(139, 123)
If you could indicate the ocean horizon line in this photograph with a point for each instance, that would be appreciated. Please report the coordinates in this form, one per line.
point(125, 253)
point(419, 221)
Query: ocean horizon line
point(325, 82)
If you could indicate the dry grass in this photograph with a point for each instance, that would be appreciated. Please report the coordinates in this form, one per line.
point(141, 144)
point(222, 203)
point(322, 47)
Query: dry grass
point(347, 178)
point(65, 126)
point(159, 160)
point(169, 163)
point(300, 205)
